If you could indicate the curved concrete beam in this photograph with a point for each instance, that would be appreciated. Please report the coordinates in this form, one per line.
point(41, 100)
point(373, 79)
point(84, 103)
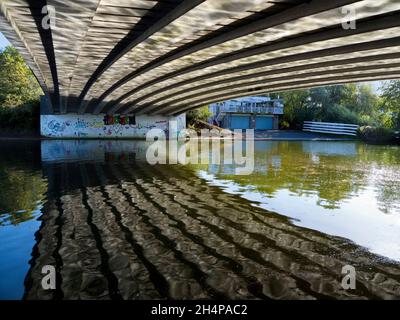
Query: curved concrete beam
point(280, 72)
point(362, 28)
point(297, 12)
point(46, 36)
point(134, 56)
point(130, 41)
point(395, 74)
point(285, 77)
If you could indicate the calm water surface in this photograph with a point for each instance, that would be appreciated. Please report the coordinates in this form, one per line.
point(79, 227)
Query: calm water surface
point(116, 227)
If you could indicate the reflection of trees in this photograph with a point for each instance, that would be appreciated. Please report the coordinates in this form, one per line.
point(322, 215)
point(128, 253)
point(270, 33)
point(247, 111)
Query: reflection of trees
point(159, 229)
point(384, 166)
point(379, 155)
point(332, 177)
point(21, 192)
point(22, 186)
point(389, 196)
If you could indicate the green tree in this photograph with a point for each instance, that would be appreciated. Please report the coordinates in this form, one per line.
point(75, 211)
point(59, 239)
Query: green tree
point(360, 99)
point(298, 107)
point(202, 114)
point(350, 103)
point(367, 100)
point(389, 109)
point(18, 85)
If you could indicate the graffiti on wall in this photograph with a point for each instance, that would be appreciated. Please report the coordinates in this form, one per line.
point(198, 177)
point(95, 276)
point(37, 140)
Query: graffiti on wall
point(122, 120)
point(57, 127)
point(100, 126)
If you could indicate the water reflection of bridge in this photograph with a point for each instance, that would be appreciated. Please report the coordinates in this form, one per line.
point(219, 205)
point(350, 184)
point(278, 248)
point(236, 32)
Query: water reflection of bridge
point(119, 228)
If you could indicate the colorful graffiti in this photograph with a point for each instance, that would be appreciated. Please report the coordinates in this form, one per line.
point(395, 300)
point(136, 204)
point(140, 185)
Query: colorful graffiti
point(122, 120)
point(57, 127)
point(80, 124)
point(104, 126)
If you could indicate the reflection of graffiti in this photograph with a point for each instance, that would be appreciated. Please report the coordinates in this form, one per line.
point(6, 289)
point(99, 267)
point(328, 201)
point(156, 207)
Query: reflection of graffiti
point(119, 157)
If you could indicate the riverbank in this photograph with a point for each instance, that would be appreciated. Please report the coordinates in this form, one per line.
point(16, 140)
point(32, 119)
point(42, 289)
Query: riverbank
point(272, 135)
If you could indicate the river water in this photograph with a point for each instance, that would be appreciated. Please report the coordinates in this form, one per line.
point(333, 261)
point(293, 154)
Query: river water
point(115, 227)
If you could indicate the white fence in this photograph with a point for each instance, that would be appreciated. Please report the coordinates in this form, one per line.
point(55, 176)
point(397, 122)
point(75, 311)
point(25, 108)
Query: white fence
point(332, 128)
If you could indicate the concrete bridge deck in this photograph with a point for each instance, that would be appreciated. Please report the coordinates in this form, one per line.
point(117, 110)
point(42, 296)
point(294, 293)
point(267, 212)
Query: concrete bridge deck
point(165, 57)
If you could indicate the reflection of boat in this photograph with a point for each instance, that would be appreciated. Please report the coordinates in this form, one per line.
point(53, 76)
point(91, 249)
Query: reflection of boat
point(130, 230)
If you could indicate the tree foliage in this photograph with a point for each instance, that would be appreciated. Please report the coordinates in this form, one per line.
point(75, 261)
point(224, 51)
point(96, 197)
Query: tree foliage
point(19, 95)
point(350, 103)
point(18, 85)
point(389, 109)
point(202, 114)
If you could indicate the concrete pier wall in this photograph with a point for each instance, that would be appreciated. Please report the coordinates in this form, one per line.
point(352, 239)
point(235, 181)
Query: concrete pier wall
point(102, 126)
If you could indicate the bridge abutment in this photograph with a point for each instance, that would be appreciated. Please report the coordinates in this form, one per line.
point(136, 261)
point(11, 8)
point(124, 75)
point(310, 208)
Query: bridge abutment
point(103, 126)
point(106, 126)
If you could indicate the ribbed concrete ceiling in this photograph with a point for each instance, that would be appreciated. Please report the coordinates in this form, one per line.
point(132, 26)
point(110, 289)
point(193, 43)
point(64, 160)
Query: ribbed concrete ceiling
point(168, 56)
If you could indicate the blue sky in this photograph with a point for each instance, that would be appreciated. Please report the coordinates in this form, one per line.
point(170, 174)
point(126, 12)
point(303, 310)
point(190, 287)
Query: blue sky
point(3, 41)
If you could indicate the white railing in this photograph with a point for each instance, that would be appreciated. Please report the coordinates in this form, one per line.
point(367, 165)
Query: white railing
point(332, 128)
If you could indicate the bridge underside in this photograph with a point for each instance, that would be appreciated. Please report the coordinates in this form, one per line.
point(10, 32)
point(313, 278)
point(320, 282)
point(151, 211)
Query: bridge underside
point(145, 57)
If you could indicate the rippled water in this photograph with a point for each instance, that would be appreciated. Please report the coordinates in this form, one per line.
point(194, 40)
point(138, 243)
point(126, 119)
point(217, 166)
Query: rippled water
point(116, 227)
